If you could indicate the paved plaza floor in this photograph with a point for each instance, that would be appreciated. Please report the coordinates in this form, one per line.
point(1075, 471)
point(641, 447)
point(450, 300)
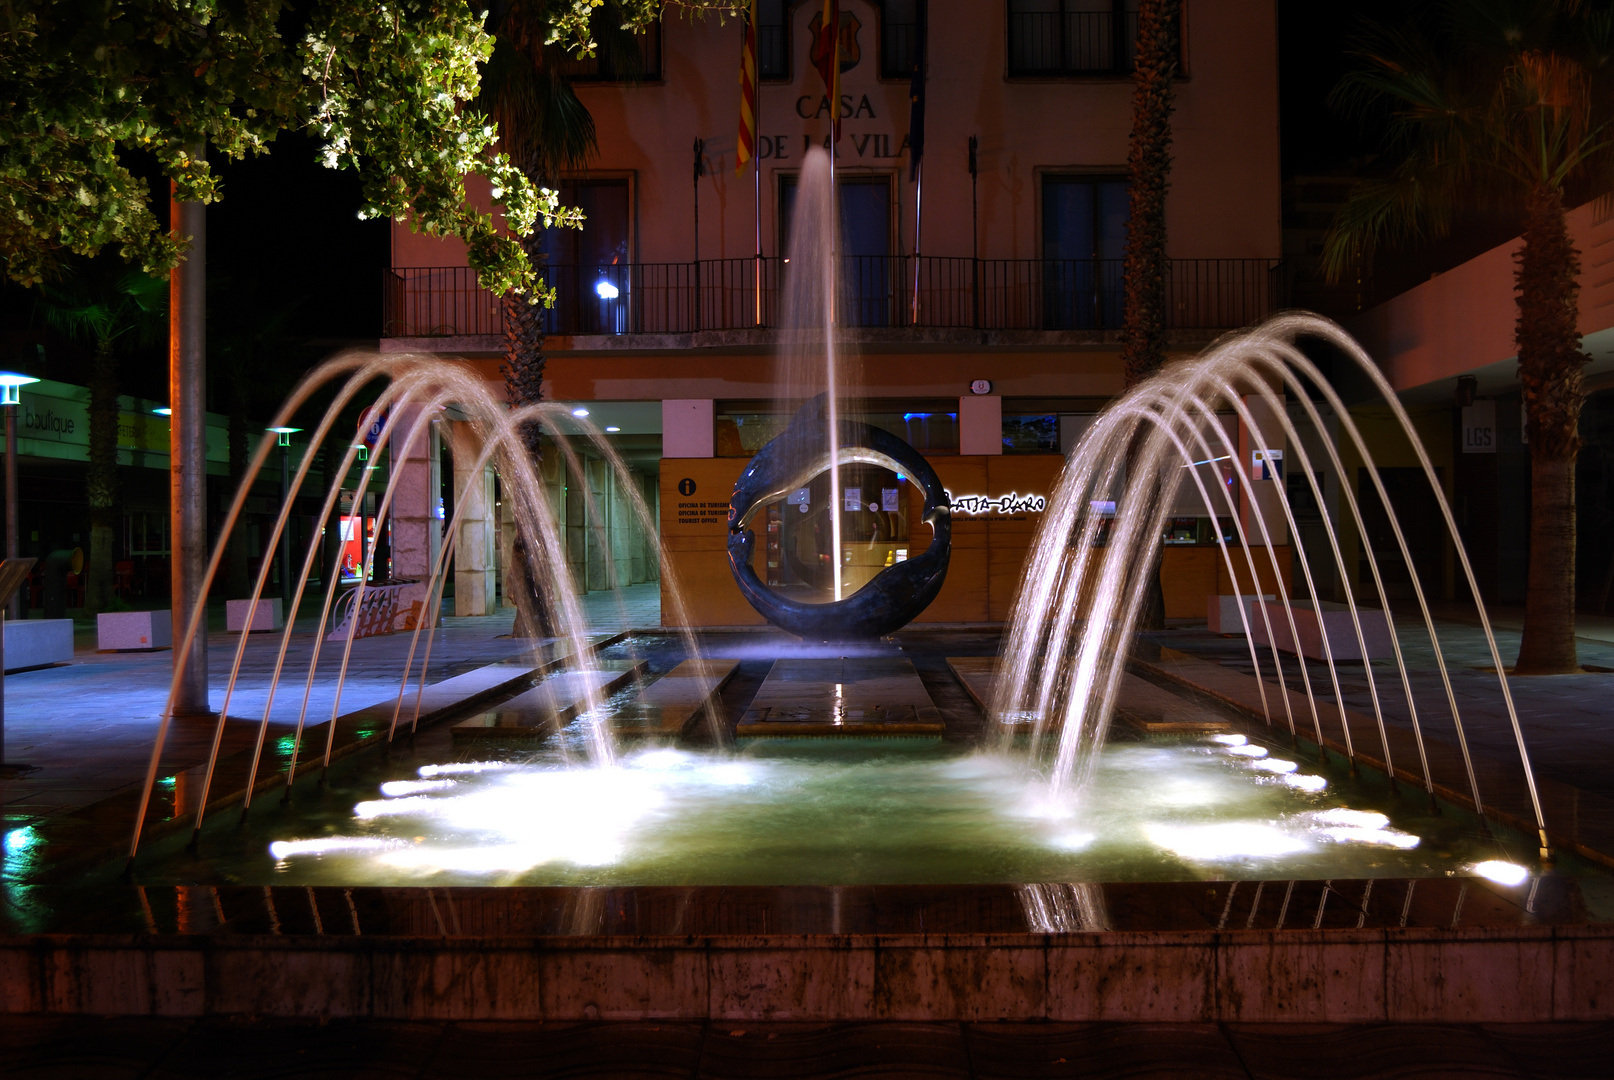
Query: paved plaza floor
point(88, 726)
point(1567, 720)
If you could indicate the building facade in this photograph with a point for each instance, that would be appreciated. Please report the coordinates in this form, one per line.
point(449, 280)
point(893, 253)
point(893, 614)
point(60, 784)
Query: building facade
point(981, 299)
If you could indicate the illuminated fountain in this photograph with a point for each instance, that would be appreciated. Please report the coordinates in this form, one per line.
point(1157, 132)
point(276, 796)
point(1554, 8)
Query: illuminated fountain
point(1071, 628)
point(414, 391)
point(1052, 802)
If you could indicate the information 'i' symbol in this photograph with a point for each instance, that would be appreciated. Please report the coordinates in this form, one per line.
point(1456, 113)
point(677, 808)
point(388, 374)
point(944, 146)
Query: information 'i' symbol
point(686, 487)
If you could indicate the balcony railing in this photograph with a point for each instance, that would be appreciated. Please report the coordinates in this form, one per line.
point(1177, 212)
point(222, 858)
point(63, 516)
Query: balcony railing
point(876, 291)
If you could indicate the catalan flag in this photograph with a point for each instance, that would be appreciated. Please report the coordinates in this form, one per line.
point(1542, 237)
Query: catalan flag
point(829, 61)
point(748, 94)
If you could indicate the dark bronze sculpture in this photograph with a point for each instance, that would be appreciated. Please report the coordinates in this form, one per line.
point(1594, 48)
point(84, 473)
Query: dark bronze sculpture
point(791, 460)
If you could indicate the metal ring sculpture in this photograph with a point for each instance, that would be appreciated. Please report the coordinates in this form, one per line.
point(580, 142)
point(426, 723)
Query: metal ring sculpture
point(792, 459)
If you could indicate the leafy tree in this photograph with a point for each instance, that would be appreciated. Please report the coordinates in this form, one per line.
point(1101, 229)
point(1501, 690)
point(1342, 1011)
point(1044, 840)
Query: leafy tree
point(1501, 102)
point(105, 307)
point(91, 84)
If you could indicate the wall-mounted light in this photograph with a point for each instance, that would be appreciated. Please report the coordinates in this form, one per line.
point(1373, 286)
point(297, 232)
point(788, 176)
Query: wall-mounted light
point(1467, 390)
point(580, 412)
point(11, 384)
point(606, 290)
point(284, 434)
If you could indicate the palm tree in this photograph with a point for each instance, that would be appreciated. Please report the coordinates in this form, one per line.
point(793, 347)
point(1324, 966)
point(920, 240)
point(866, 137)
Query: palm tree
point(1148, 165)
point(545, 130)
point(1510, 102)
point(103, 307)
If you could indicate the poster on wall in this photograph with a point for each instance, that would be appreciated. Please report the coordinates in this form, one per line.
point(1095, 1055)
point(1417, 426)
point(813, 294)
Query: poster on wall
point(1266, 464)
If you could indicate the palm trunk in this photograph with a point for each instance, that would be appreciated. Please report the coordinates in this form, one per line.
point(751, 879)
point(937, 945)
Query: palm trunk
point(523, 385)
point(1550, 375)
point(101, 483)
point(1143, 331)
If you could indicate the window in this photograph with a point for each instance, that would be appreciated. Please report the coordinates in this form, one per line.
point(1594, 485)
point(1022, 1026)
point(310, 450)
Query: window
point(898, 30)
point(589, 266)
point(773, 40)
point(1072, 37)
point(1084, 222)
point(617, 61)
point(868, 272)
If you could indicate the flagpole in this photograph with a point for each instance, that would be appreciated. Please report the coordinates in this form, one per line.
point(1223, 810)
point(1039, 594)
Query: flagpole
point(756, 203)
point(918, 220)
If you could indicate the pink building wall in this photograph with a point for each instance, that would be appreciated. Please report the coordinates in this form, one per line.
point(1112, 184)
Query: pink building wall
point(1224, 200)
point(1463, 319)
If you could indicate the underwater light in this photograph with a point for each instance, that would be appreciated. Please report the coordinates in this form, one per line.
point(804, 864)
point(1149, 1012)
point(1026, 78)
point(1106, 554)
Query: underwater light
point(1227, 841)
point(1229, 740)
point(1503, 873)
point(1305, 781)
point(162, 412)
point(463, 767)
point(392, 789)
point(1248, 750)
point(579, 412)
point(1274, 765)
point(325, 845)
point(612, 429)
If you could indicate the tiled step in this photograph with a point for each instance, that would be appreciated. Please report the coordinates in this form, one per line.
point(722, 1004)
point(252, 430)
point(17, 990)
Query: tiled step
point(669, 704)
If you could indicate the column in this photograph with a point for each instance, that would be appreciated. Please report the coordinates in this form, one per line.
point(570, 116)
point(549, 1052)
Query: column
point(473, 545)
point(980, 424)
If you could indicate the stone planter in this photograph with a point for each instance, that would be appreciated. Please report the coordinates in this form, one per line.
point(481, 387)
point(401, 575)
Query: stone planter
point(243, 615)
point(1222, 612)
point(32, 643)
point(126, 630)
point(1335, 621)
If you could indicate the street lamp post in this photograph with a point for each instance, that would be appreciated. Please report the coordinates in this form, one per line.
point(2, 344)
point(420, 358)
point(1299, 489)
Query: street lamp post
point(283, 438)
point(11, 384)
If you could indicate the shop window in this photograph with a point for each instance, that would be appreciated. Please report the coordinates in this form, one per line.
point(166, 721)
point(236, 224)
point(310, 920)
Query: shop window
point(930, 427)
point(1031, 434)
point(1084, 222)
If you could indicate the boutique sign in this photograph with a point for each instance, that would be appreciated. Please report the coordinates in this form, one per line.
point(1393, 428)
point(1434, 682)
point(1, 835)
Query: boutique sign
point(1001, 506)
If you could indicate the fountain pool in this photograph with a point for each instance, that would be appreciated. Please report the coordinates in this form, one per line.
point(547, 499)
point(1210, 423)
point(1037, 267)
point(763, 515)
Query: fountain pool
point(783, 811)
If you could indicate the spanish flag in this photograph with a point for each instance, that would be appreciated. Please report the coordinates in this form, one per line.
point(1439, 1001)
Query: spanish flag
point(747, 146)
point(829, 61)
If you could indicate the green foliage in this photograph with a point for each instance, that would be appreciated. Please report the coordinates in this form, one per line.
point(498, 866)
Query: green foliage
point(385, 85)
point(1479, 102)
point(98, 305)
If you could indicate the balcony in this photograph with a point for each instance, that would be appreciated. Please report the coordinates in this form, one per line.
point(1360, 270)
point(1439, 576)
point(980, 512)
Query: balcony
point(877, 291)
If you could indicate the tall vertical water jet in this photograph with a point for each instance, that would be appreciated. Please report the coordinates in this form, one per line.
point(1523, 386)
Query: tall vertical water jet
point(810, 364)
